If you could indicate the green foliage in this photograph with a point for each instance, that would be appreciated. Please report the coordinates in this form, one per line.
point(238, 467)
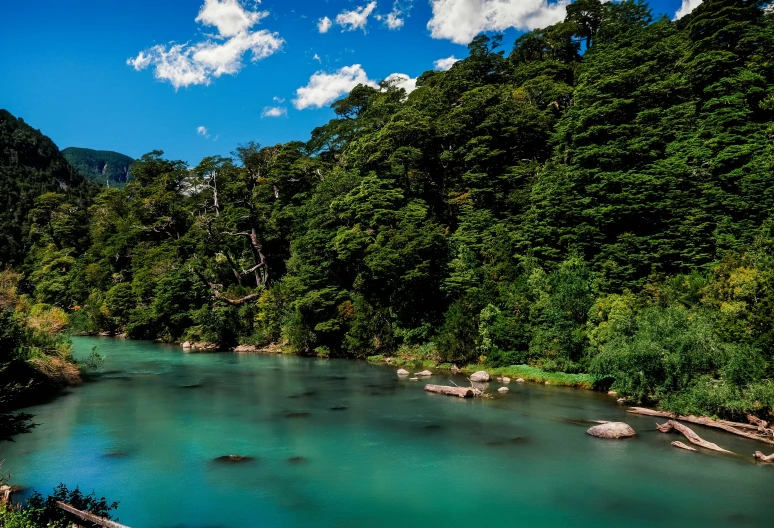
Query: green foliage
point(101, 166)
point(595, 203)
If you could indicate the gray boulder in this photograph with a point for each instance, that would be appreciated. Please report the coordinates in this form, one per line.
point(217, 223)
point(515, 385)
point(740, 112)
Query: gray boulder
point(479, 376)
point(611, 430)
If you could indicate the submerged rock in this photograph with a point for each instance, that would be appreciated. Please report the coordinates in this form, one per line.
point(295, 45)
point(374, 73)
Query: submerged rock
point(611, 430)
point(424, 373)
point(403, 372)
point(479, 376)
point(297, 460)
point(233, 458)
point(503, 389)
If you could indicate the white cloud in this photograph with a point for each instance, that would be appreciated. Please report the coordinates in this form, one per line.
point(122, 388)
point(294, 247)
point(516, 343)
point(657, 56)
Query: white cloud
point(279, 100)
point(188, 64)
point(357, 18)
point(228, 16)
point(686, 7)
point(274, 111)
point(461, 20)
point(202, 131)
point(445, 64)
point(317, 58)
point(324, 24)
point(401, 80)
point(393, 19)
point(324, 88)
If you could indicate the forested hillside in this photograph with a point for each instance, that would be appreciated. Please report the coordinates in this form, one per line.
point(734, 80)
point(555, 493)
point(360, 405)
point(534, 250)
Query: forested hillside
point(102, 166)
point(597, 199)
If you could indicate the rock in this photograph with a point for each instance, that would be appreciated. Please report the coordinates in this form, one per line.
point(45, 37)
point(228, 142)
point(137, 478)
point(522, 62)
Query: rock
point(499, 379)
point(245, 349)
point(621, 400)
point(481, 375)
point(413, 379)
point(520, 380)
point(233, 458)
point(503, 389)
point(403, 372)
point(506, 380)
point(612, 393)
point(547, 382)
point(424, 373)
point(187, 344)
point(611, 430)
point(455, 369)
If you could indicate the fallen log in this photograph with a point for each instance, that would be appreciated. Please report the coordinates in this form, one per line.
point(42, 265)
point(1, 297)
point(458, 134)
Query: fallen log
point(89, 517)
point(692, 437)
point(729, 427)
point(681, 445)
point(764, 458)
point(462, 392)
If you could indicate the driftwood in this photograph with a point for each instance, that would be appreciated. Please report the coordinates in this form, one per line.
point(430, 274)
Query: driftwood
point(730, 427)
point(764, 458)
point(683, 446)
point(462, 392)
point(690, 435)
point(86, 516)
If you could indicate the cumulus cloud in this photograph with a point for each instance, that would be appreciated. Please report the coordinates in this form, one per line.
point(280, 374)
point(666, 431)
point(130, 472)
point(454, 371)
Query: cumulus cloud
point(189, 63)
point(357, 18)
point(324, 24)
point(401, 80)
point(202, 131)
point(445, 64)
point(228, 16)
point(324, 88)
point(686, 7)
point(274, 111)
point(461, 20)
point(393, 20)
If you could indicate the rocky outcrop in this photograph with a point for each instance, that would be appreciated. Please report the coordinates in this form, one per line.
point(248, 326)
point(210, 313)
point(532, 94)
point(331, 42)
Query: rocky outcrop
point(611, 430)
point(480, 376)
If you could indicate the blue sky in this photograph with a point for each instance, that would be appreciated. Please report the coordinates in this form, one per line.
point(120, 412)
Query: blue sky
point(180, 75)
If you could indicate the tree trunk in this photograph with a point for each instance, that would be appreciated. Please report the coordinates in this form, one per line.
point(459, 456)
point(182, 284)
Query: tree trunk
point(462, 392)
point(690, 435)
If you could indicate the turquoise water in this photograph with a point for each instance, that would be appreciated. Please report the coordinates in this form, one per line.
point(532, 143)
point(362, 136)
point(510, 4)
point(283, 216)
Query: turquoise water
point(148, 431)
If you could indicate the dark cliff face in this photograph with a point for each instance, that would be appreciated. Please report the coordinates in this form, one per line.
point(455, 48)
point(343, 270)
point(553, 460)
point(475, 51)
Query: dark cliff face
point(102, 166)
point(30, 165)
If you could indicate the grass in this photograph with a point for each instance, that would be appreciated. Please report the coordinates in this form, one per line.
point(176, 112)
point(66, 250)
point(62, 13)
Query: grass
point(526, 372)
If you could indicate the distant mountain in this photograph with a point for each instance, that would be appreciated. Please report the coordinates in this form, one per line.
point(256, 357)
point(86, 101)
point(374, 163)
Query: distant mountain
point(30, 165)
point(102, 166)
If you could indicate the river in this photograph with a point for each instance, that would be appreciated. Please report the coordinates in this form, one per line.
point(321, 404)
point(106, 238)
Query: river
point(347, 444)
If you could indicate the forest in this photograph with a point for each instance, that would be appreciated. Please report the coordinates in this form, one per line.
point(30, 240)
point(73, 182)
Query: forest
point(596, 200)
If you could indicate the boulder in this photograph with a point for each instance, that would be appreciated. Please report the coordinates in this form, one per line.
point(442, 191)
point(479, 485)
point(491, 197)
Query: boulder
point(612, 393)
point(187, 344)
point(499, 379)
point(479, 376)
point(611, 430)
point(520, 380)
point(424, 373)
point(506, 380)
point(403, 372)
point(503, 389)
point(455, 369)
point(245, 349)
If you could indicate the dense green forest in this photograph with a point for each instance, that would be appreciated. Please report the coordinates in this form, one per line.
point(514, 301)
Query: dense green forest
point(595, 200)
point(102, 166)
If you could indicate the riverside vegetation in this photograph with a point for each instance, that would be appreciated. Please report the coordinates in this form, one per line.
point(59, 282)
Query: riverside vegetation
point(593, 206)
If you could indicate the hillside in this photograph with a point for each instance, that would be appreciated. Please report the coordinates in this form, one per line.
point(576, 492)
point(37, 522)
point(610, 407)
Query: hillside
point(30, 165)
point(102, 166)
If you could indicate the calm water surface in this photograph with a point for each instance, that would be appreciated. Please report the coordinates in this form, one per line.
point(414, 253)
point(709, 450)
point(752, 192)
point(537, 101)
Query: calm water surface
point(345, 443)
